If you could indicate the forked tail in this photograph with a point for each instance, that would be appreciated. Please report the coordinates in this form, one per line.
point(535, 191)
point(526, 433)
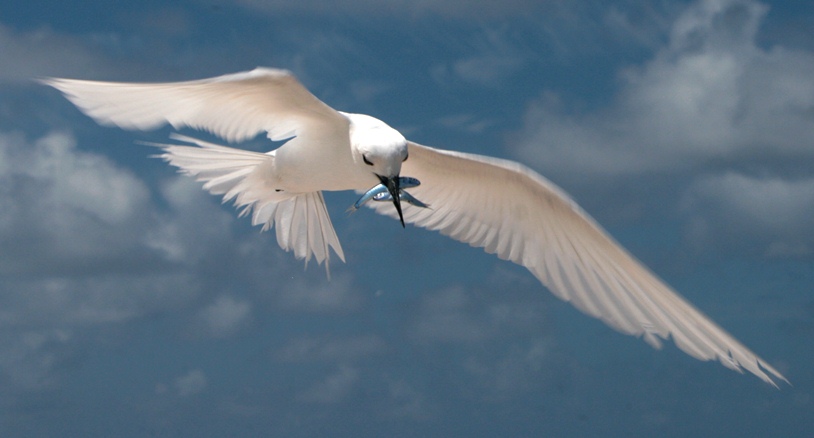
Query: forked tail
point(301, 220)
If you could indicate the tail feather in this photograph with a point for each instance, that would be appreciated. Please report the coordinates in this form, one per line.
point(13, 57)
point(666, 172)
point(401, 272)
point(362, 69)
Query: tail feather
point(301, 220)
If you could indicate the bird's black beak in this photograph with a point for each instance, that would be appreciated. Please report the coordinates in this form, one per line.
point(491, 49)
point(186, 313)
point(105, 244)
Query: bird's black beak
point(392, 184)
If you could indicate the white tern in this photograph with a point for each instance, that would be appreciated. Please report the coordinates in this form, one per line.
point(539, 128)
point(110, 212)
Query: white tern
point(498, 205)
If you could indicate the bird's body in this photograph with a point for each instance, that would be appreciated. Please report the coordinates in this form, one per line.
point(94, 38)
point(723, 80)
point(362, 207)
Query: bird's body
point(328, 162)
point(499, 205)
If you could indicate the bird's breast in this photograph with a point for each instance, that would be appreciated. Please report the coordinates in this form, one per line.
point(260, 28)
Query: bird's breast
point(330, 168)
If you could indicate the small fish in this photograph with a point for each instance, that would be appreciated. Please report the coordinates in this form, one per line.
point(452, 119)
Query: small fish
point(379, 193)
point(377, 190)
point(406, 182)
point(383, 196)
point(404, 196)
point(370, 194)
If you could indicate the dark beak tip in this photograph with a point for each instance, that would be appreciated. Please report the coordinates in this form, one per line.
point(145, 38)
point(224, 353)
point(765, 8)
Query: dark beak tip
point(392, 185)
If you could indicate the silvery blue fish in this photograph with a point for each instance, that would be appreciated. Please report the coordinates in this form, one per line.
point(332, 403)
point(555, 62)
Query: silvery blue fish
point(379, 193)
point(375, 190)
point(406, 182)
point(403, 196)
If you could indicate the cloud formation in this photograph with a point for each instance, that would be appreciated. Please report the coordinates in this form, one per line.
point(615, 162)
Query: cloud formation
point(87, 243)
point(711, 95)
point(79, 205)
point(191, 383)
point(333, 388)
point(224, 317)
point(44, 52)
point(775, 212)
point(713, 108)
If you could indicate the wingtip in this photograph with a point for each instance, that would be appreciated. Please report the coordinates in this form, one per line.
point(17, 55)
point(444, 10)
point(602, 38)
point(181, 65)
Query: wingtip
point(771, 375)
point(45, 80)
point(50, 82)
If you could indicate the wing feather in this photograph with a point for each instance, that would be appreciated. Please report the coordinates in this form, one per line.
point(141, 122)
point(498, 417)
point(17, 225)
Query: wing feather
point(301, 221)
point(511, 211)
point(235, 107)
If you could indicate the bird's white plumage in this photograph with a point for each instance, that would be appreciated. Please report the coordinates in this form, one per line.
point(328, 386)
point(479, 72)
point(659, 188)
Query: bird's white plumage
point(498, 205)
point(238, 107)
point(304, 226)
point(515, 213)
point(235, 107)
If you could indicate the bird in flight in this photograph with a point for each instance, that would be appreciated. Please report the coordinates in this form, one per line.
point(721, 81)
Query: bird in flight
point(499, 205)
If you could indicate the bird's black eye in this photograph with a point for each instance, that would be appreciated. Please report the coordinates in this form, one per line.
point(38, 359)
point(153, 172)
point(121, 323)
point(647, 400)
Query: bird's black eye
point(364, 158)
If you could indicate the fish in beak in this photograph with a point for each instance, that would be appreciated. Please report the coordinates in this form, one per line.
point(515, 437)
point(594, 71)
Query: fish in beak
point(391, 189)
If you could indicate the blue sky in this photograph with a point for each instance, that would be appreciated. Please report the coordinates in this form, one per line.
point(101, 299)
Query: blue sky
point(132, 303)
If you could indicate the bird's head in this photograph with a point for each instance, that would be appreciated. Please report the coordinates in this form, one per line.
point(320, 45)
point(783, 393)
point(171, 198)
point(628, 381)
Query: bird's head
point(380, 150)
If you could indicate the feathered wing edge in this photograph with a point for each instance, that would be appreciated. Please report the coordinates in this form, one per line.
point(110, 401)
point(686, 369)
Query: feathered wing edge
point(565, 249)
point(235, 106)
point(301, 220)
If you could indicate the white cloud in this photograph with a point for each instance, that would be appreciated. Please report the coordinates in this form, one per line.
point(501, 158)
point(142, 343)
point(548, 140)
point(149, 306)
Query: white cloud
point(446, 316)
point(405, 400)
point(191, 383)
point(44, 52)
point(492, 339)
point(467, 123)
point(84, 182)
point(79, 236)
point(511, 373)
point(81, 300)
point(196, 224)
point(28, 359)
point(339, 295)
point(333, 388)
point(460, 315)
point(87, 244)
point(636, 22)
point(774, 212)
point(710, 106)
point(224, 317)
point(491, 60)
point(711, 95)
point(486, 69)
point(62, 208)
point(309, 349)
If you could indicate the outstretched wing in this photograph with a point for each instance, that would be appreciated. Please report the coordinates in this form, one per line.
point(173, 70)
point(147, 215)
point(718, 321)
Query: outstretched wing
point(513, 212)
point(235, 107)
